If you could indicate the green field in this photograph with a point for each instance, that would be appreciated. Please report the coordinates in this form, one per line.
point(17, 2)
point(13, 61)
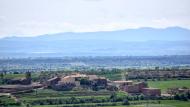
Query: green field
point(43, 97)
point(14, 76)
point(164, 85)
point(47, 94)
point(51, 98)
point(20, 75)
point(163, 103)
point(7, 101)
point(112, 76)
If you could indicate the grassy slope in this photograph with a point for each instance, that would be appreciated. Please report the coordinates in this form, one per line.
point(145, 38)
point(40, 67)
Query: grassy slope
point(164, 85)
point(18, 76)
point(51, 94)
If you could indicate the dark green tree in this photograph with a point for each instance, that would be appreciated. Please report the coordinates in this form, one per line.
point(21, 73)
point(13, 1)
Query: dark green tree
point(28, 75)
point(113, 97)
point(126, 102)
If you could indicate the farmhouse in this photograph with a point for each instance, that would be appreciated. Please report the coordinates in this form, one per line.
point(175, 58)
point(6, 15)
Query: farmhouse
point(69, 79)
point(122, 84)
point(92, 77)
point(135, 88)
point(173, 91)
point(73, 80)
point(182, 90)
point(140, 87)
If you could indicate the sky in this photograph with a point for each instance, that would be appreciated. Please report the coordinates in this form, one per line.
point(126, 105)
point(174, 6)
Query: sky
point(38, 17)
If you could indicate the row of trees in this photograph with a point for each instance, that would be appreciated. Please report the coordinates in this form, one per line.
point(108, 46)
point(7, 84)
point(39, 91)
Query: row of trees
point(73, 100)
point(183, 97)
point(112, 100)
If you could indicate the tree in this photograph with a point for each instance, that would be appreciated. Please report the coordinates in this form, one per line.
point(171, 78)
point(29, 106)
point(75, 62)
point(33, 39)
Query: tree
point(95, 87)
point(73, 100)
point(113, 97)
point(126, 102)
point(43, 77)
point(2, 78)
point(183, 97)
point(156, 68)
point(4, 71)
point(84, 81)
point(141, 97)
point(177, 97)
point(28, 105)
point(28, 75)
point(188, 95)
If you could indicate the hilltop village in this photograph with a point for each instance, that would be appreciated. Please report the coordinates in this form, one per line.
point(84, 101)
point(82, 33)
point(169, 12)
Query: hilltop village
point(134, 82)
point(94, 89)
point(76, 80)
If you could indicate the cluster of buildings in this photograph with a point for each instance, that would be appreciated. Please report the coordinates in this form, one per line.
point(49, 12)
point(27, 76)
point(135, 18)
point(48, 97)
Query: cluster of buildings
point(137, 88)
point(68, 82)
point(76, 80)
point(93, 81)
point(174, 91)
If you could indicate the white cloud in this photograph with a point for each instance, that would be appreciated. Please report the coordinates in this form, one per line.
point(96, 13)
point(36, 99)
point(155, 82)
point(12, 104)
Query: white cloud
point(36, 17)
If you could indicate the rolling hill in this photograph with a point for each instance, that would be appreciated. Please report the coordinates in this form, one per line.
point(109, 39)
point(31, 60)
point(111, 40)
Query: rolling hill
point(129, 42)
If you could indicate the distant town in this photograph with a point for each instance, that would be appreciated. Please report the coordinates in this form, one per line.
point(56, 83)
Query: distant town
point(124, 86)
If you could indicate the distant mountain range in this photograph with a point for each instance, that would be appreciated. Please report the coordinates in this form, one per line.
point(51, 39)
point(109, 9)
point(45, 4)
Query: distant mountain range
point(130, 42)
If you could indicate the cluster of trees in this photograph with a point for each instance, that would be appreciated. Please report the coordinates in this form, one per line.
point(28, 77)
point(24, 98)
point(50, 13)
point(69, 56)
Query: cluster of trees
point(183, 97)
point(72, 100)
point(113, 98)
point(1, 78)
point(6, 104)
point(6, 101)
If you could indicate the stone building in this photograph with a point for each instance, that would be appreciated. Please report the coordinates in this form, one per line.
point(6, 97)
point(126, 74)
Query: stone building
point(151, 91)
point(67, 82)
point(99, 81)
point(51, 82)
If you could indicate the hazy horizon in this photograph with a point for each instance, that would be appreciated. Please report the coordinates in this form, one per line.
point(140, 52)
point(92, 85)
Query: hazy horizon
point(38, 17)
point(26, 36)
point(94, 27)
